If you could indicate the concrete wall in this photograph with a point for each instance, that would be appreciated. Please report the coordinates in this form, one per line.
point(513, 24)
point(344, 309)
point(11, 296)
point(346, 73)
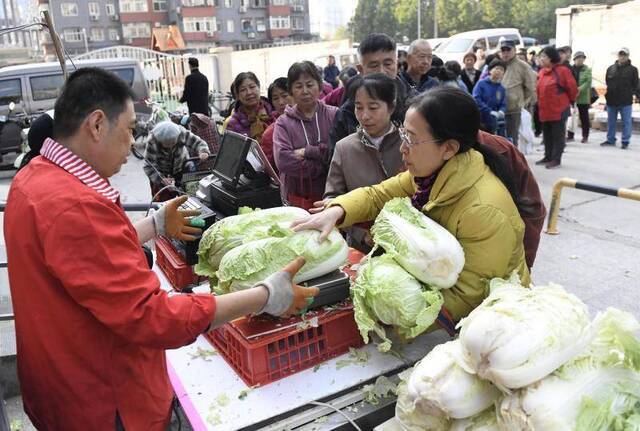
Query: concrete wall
point(600, 31)
point(270, 63)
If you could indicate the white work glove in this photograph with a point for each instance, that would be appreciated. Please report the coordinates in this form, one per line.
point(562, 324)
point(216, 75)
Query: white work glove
point(494, 114)
point(286, 298)
point(500, 115)
point(175, 223)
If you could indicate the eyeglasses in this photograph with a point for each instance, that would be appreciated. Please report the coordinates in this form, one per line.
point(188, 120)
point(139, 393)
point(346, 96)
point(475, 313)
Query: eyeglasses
point(406, 139)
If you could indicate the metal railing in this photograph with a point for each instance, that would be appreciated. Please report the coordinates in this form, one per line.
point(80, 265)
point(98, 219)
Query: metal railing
point(552, 224)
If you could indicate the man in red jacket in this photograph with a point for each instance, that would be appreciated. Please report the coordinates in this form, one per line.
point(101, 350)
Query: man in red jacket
point(92, 323)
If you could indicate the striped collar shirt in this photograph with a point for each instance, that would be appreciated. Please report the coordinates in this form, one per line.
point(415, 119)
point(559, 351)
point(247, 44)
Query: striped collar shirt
point(67, 160)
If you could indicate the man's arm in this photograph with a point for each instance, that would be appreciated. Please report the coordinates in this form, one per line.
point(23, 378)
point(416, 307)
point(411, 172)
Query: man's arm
point(187, 89)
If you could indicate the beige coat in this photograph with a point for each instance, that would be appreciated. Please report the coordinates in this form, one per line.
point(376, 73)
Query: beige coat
point(520, 82)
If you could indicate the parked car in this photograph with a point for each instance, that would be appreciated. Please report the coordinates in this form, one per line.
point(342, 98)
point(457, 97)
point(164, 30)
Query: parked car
point(34, 87)
point(455, 47)
point(529, 42)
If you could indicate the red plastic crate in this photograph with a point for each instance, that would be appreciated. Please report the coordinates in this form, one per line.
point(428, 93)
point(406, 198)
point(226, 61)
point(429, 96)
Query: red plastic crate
point(284, 348)
point(179, 274)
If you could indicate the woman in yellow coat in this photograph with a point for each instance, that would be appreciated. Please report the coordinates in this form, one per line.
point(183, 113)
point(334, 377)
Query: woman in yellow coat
point(463, 185)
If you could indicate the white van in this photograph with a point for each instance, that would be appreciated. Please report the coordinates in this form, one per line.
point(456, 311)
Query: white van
point(35, 87)
point(458, 45)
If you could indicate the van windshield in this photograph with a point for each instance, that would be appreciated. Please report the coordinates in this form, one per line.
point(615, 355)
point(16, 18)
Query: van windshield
point(455, 45)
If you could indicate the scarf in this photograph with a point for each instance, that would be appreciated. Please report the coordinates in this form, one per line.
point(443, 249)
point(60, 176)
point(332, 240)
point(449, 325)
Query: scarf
point(425, 184)
point(258, 121)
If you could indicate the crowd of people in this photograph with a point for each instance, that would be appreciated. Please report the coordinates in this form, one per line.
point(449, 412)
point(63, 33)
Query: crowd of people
point(344, 143)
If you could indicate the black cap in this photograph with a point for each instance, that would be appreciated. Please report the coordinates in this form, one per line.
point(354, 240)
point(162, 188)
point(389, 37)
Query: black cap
point(507, 42)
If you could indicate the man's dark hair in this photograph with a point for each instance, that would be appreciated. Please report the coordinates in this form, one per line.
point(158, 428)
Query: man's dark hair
point(565, 49)
point(496, 62)
point(552, 53)
point(376, 42)
point(450, 71)
point(87, 90)
point(193, 62)
point(304, 67)
point(280, 83)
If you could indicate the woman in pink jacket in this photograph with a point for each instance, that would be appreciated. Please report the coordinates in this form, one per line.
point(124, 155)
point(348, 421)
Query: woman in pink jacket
point(300, 140)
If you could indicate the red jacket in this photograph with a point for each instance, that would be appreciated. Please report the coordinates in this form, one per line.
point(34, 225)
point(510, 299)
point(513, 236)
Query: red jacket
point(267, 144)
point(92, 323)
point(529, 204)
point(557, 90)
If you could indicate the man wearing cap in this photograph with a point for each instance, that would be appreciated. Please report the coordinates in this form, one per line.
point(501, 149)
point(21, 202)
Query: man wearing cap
point(622, 84)
point(520, 83)
point(583, 75)
point(169, 146)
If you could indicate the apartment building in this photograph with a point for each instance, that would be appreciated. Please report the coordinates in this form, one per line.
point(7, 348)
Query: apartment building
point(203, 24)
point(83, 25)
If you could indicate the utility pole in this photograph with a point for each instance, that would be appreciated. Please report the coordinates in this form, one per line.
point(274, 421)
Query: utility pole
point(419, 18)
point(56, 42)
point(435, 19)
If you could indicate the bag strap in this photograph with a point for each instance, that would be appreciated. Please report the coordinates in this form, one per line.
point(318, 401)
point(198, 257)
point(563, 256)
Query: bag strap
point(557, 78)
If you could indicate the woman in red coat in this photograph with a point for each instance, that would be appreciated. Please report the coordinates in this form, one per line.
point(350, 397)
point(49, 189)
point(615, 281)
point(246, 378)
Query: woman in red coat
point(556, 90)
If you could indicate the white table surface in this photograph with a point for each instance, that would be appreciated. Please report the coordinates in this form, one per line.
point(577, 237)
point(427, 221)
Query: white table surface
point(203, 384)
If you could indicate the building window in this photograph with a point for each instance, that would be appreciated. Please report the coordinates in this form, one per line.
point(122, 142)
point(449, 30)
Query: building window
point(159, 5)
point(113, 34)
point(260, 25)
point(69, 9)
point(298, 23)
point(97, 34)
point(230, 27)
point(259, 3)
point(246, 25)
point(136, 29)
point(72, 35)
point(133, 6)
point(279, 22)
point(199, 24)
point(94, 9)
point(228, 3)
point(111, 9)
point(280, 2)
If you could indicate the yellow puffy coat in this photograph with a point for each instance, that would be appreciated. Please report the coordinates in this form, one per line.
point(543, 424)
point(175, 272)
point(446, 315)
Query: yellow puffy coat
point(469, 201)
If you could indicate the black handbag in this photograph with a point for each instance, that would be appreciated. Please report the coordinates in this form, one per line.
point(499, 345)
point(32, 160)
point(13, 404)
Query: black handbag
point(594, 95)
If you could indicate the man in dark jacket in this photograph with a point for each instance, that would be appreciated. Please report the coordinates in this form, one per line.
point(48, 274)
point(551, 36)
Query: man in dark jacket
point(419, 56)
point(622, 84)
point(377, 54)
point(196, 90)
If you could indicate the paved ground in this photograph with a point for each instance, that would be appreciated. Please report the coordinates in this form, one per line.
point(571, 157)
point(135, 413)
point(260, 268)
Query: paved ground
point(595, 255)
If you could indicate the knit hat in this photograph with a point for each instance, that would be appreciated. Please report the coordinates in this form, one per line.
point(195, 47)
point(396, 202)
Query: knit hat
point(166, 133)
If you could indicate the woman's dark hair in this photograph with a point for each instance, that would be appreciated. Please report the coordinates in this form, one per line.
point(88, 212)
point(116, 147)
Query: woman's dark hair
point(436, 65)
point(489, 58)
point(280, 83)
point(301, 68)
point(346, 74)
point(496, 62)
point(378, 86)
point(442, 108)
point(450, 71)
point(240, 77)
point(552, 53)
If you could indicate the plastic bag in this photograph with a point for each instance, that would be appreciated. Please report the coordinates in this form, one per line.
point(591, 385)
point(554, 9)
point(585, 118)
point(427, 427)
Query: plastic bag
point(526, 137)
